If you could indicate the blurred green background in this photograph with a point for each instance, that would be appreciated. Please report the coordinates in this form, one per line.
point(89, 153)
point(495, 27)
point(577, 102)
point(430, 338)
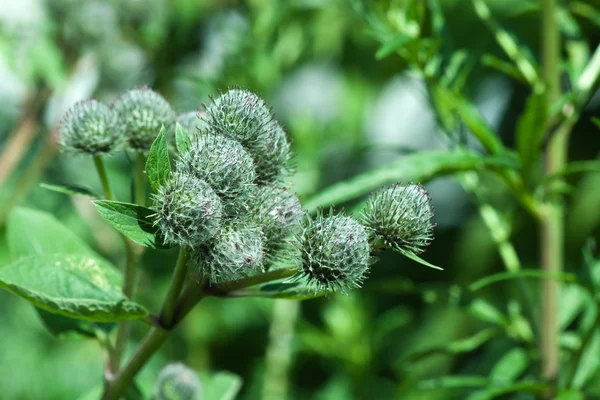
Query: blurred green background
point(346, 111)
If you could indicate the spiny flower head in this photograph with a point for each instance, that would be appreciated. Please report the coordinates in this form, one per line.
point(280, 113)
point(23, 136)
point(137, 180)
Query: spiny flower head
point(243, 116)
point(90, 128)
point(221, 162)
point(192, 121)
point(177, 382)
point(335, 253)
point(236, 252)
point(400, 216)
point(143, 112)
point(188, 211)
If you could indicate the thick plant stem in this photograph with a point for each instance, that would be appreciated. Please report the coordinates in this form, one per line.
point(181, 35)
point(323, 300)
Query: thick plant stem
point(139, 180)
point(552, 224)
point(103, 178)
point(177, 281)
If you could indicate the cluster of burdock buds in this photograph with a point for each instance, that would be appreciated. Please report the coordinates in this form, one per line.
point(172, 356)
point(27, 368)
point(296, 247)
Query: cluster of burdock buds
point(229, 201)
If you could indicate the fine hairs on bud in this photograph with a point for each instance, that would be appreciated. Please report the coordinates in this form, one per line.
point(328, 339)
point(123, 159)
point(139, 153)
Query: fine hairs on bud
point(177, 382)
point(221, 162)
point(90, 128)
point(236, 252)
point(335, 253)
point(143, 112)
point(188, 211)
point(400, 216)
point(192, 121)
point(243, 116)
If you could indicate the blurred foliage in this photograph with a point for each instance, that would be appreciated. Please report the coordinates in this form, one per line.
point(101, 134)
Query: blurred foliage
point(358, 84)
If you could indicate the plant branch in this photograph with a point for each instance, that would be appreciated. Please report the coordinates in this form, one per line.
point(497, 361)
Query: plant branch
point(139, 179)
point(99, 164)
point(177, 281)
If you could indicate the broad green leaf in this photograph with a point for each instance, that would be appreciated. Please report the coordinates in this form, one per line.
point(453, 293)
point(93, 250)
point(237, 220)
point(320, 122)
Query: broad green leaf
point(418, 259)
point(222, 386)
point(75, 286)
point(487, 312)
point(416, 167)
point(526, 273)
point(531, 128)
point(512, 365)
point(158, 166)
point(93, 394)
point(131, 220)
point(182, 139)
point(70, 189)
point(32, 232)
point(280, 289)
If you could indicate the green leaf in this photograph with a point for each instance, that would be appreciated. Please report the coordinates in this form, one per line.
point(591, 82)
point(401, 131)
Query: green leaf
point(418, 259)
point(416, 167)
point(531, 129)
point(512, 365)
point(32, 232)
point(448, 382)
point(280, 289)
point(390, 47)
point(131, 220)
point(518, 387)
point(222, 386)
point(500, 65)
point(182, 139)
point(70, 189)
point(158, 166)
point(486, 312)
point(526, 273)
point(570, 395)
point(75, 286)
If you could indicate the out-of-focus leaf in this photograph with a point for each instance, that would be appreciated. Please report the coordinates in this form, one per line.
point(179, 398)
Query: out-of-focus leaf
point(75, 286)
point(131, 220)
point(456, 382)
point(280, 289)
point(590, 363)
point(390, 47)
point(222, 386)
point(158, 166)
point(511, 366)
point(417, 167)
point(487, 312)
point(518, 54)
point(519, 387)
point(531, 128)
point(570, 395)
point(586, 11)
point(500, 65)
point(525, 273)
point(70, 189)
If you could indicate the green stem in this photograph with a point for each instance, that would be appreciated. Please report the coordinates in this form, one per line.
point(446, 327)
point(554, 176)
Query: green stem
point(552, 223)
point(177, 281)
point(139, 179)
point(103, 178)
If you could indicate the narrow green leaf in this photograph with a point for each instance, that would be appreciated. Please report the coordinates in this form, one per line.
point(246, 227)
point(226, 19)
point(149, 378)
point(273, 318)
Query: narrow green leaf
point(417, 167)
point(510, 366)
point(531, 128)
point(418, 259)
point(280, 289)
point(70, 189)
point(75, 286)
point(456, 382)
point(158, 166)
point(487, 312)
point(222, 386)
point(182, 139)
point(390, 47)
point(500, 65)
point(518, 387)
point(131, 220)
point(570, 395)
point(525, 273)
point(596, 121)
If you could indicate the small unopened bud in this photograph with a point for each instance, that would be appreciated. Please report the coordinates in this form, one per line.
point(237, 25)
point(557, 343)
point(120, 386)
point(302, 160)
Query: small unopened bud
point(188, 211)
point(90, 128)
point(236, 252)
point(400, 216)
point(335, 253)
point(221, 162)
point(243, 116)
point(177, 382)
point(143, 112)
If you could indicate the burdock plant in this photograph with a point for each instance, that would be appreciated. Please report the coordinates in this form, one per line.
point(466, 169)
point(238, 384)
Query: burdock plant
point(223, 199)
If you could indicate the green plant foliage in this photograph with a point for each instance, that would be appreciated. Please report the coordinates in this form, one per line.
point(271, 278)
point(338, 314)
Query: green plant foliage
point(158, 165)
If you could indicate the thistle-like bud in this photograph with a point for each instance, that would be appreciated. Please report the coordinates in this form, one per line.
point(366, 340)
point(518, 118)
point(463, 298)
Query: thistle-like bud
point(188, 211)
point(90, 128)
point(335, 253)
point(236, 252)
point(279, 213)
point(400, 216)
point(192, 121)
point(177, 382)
point(222, 163)
point(143, 112)
point(243, 116)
